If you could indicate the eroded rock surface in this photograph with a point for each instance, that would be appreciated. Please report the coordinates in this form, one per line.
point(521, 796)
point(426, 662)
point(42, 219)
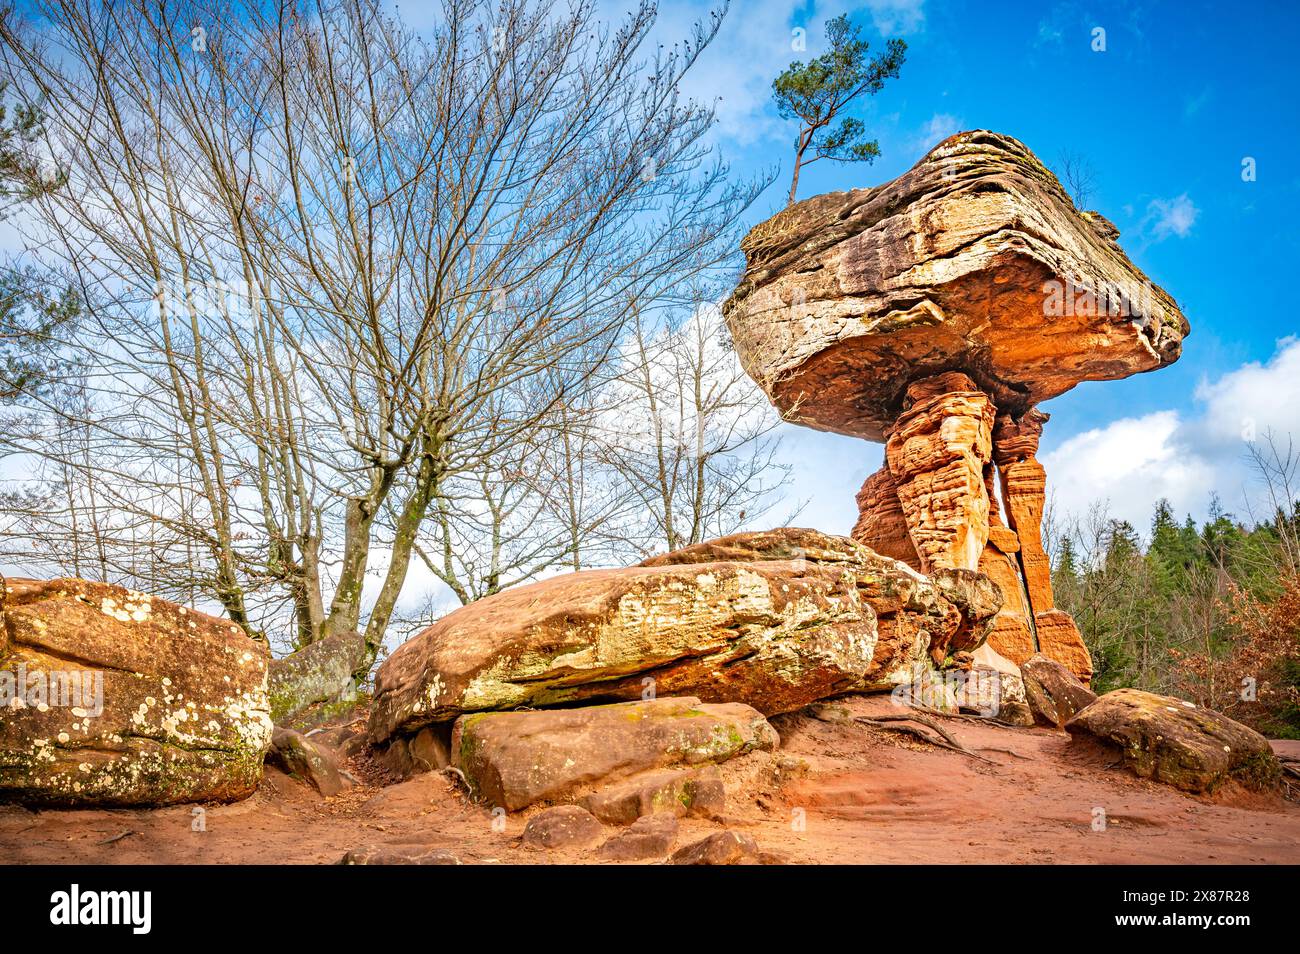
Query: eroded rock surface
point(515, 759)
point(975, 260)
point(776, 620)
point(1175, 742)
point(126, 699)
point(938, 452)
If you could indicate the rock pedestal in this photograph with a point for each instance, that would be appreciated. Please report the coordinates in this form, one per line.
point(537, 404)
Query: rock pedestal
point(934, 313)
point(935, 504)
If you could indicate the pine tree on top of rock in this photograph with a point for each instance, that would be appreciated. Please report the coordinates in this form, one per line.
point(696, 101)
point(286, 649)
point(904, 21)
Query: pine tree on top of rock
point(816, 92)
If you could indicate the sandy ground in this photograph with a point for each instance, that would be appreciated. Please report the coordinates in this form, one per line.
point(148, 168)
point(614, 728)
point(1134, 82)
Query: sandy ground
point(865, 796)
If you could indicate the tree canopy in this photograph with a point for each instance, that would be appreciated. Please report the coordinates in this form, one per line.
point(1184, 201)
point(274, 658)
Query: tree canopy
point(815, 93)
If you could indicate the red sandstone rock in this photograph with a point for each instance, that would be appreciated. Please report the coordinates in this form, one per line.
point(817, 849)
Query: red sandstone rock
point(515, 759)
point(1054, 694)
point(564, 826)
point(882, 524)
point(973, 260)
point(937, 453)
point(776, 619)
point(1023, 490)
point(182, 712)
point(1059, 638)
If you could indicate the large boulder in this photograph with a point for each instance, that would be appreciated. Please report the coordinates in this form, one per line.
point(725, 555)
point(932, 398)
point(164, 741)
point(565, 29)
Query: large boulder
point(515, 759)
point(974, 260)
point(1178, 743)
point(775, 620)
point(320, 672)
point(1054, 694)
point(300, 757)
point(115, 698)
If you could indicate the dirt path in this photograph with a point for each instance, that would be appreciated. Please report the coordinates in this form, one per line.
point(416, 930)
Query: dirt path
point(865, 797)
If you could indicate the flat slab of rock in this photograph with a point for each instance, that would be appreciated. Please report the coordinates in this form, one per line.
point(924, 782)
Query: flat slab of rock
point(515, 759)
point(722, 848)
point(775, 620)
point(1172, 741)
point(564, 826)
point(127, 699)
point(675, 792)
point(650, 837)
point(399, 855)
point(973, 260)
point(1055, 694)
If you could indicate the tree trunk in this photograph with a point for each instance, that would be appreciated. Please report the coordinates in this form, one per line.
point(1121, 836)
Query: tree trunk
point(427, 481)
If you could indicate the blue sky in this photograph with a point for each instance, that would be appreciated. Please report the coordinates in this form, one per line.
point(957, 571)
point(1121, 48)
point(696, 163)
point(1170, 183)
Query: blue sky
point(1165, 116)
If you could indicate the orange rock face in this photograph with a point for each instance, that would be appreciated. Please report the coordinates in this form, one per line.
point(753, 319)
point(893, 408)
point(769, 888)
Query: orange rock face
point(933, 505)
point(1013, 630)
point(974, 260)
point(1059, 638)
point(1024, 485)
point(922, 311)
point(937, 454)
point(882, 521)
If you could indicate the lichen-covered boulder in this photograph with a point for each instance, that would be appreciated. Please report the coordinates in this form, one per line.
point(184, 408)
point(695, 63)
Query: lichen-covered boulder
point(515, 759)
point(320, 672)
point(110, 697)
point(1173, 741)
point(775, 620)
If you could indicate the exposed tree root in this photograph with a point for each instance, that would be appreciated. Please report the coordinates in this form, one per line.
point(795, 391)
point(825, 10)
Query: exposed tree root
point(945, 740)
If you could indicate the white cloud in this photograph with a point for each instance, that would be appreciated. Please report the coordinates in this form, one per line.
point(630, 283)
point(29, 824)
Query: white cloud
point(1129, 464)
point(897, 17)
point(1166, 217)
point(1253, 399)
point(1132, 462)
point(934, 131)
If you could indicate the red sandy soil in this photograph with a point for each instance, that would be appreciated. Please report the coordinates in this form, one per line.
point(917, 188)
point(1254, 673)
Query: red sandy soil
point(867, 796)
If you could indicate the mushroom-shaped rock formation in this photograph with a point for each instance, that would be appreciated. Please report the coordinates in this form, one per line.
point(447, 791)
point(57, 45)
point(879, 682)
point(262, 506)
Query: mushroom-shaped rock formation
point(934, 313)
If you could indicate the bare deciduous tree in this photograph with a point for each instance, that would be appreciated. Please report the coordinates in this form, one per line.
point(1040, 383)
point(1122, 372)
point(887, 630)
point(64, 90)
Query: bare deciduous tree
point(332, 268)
point(689, 433)
point(1078, 177)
